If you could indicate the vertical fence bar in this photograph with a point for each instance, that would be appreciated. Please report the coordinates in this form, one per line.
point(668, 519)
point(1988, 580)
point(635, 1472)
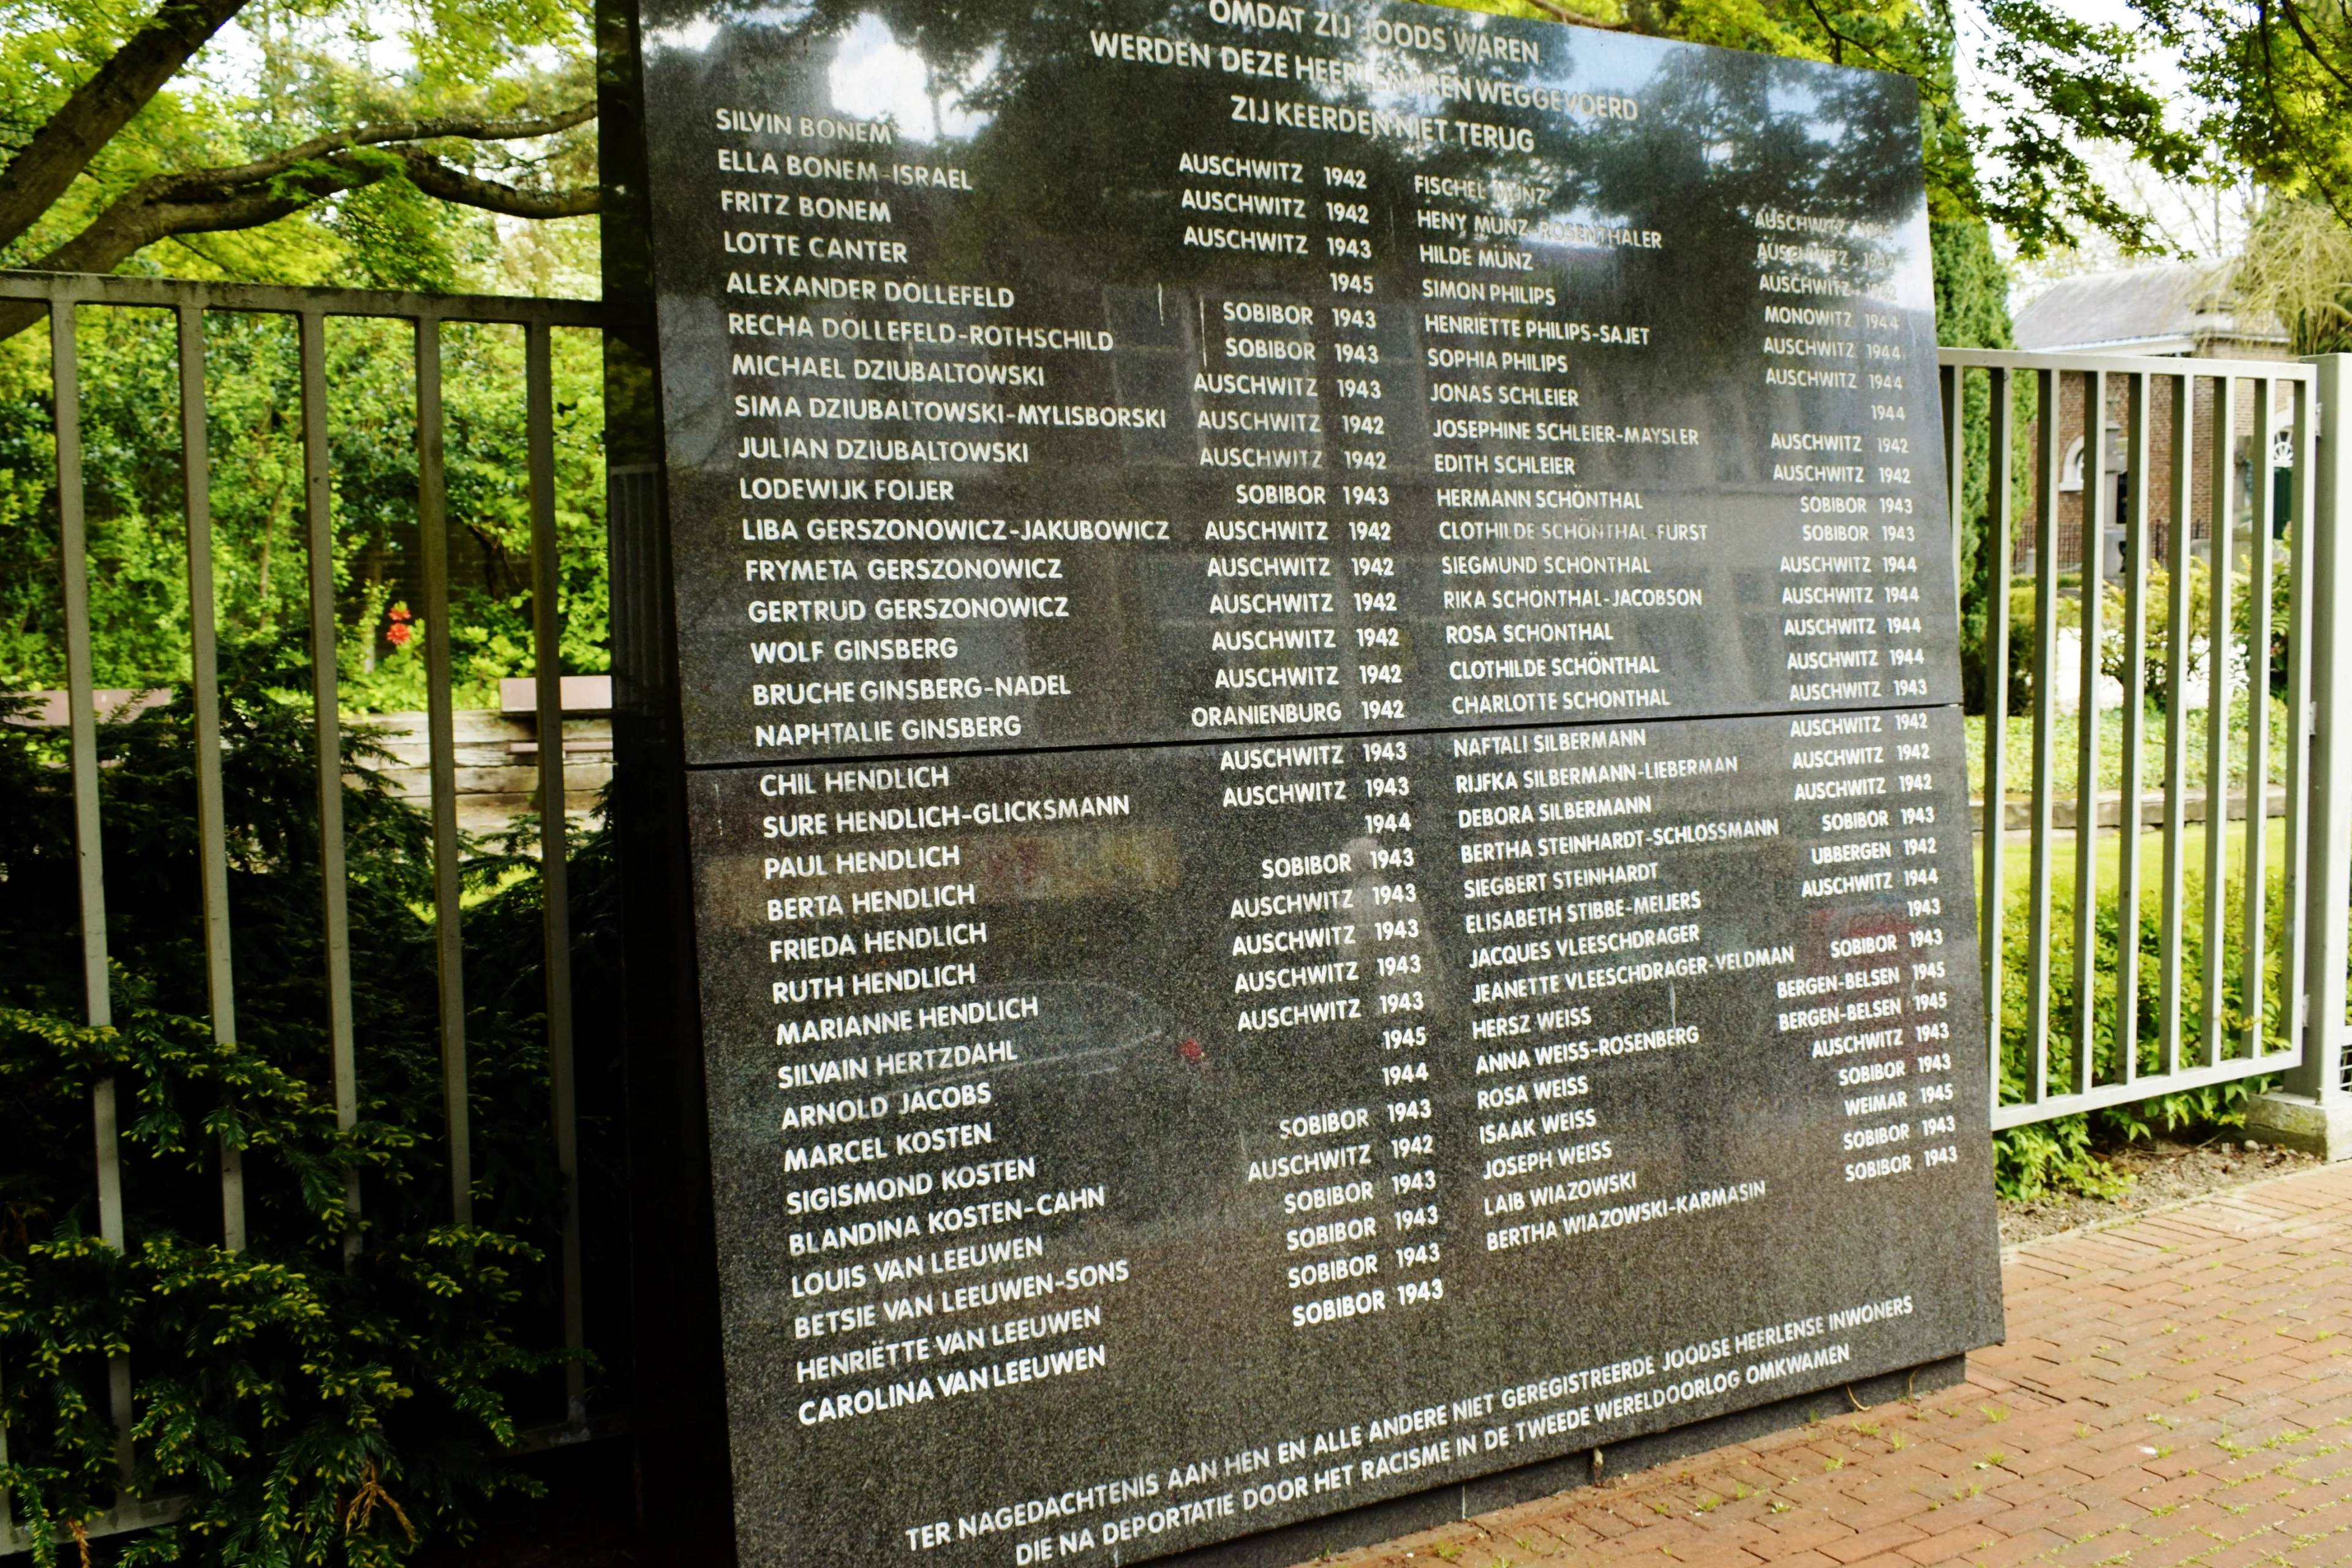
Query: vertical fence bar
point(81, 702)
point(10, 1542)
point(318, 505)
point(2295, 976)
point(2134, 730)
point(2086, 731)
point(89, 856)
point(547, 643)
point(2263, 498)
point(2218, 530)
point(203, 694)
point(449, 939)
point(2046, 721)
point(2319, 1073)
point(2173, 936)
point(2000, 538)
point(1953, 382)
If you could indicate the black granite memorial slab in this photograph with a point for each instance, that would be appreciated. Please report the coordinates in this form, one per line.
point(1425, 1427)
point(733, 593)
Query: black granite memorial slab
point(1045, 374)
point(1120, 1151)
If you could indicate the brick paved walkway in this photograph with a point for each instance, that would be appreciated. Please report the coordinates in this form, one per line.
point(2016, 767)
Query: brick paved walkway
point(2176, 1389)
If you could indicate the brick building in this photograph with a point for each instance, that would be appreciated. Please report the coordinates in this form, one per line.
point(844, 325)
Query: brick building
point(2179, 310)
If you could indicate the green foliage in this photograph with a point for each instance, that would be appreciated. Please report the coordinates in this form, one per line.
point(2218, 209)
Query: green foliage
point(2045, 1158)
point(138, 539)
point(2296, 270)
point(2271, 91)
point(2201, 616)
point(337, 1392)
point(2269, 98)
point(397, 238)
point(2024, 616)
point(2035, 1161)
point(1971, 311)
point(2068, 81)
point(1971, 287)
point(298, 73)
point(2048, 1159)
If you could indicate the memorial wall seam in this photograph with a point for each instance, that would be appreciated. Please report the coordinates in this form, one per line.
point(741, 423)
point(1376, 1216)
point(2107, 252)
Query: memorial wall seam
point(1319, 661)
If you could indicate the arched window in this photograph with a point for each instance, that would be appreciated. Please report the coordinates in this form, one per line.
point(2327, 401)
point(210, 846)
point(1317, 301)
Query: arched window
point(2069, 473)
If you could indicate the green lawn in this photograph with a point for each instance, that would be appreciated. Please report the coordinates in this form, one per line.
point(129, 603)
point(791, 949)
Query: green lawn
point(2017, 754)
point(2016, 861)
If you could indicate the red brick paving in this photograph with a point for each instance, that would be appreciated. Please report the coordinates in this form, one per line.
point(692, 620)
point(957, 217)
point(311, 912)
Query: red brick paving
point(2176, 1390)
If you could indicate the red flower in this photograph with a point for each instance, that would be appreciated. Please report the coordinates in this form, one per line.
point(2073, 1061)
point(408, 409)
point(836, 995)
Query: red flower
point(399, 633)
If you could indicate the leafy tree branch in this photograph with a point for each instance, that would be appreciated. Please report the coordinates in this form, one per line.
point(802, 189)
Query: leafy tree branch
point(152, 146)
point(263, 191)
point(99, 109)
point(249, 194)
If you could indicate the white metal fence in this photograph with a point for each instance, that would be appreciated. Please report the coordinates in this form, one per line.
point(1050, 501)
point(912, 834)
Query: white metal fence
point(2181, 664)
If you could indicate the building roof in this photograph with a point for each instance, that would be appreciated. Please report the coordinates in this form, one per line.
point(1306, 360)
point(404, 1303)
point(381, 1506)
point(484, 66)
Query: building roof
point(2176, 308)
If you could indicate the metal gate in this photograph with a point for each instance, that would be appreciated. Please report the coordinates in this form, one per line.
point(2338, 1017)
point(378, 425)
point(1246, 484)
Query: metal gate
point(310, 309)
point(2215, 472)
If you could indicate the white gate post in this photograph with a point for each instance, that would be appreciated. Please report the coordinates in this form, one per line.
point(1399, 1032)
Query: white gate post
point(2315, 1113)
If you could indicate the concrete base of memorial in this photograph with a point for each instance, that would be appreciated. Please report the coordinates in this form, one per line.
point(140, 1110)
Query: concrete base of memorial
point(2313, 1125)
point(1403, 1516)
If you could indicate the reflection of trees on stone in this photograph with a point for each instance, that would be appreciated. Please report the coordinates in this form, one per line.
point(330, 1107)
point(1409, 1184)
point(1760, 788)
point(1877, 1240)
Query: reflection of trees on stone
point(1077, 178)
point(1723, 137)
point(1077, 171)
